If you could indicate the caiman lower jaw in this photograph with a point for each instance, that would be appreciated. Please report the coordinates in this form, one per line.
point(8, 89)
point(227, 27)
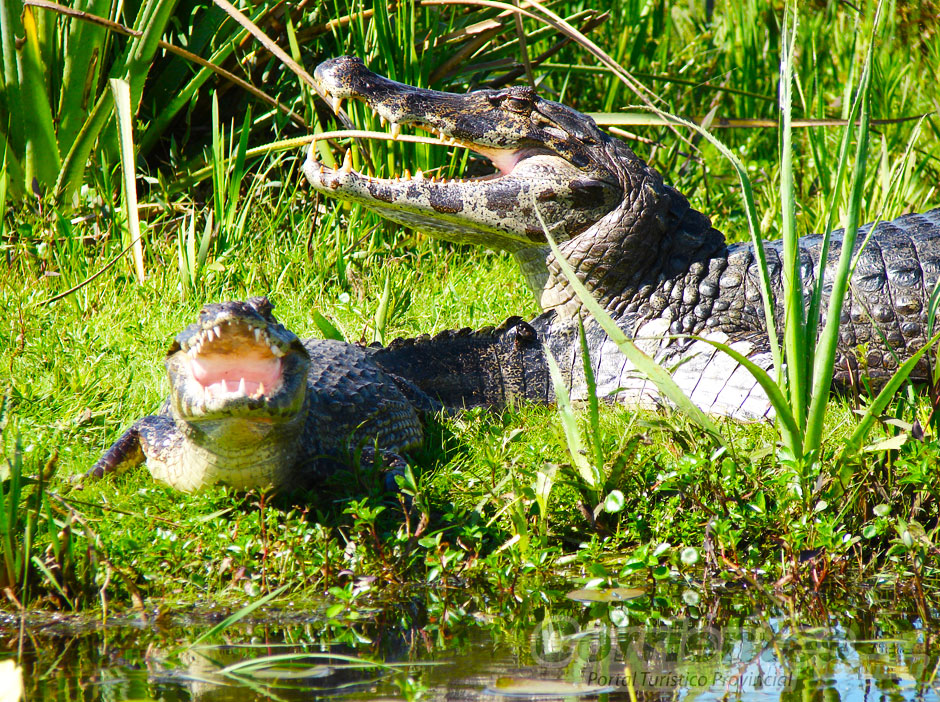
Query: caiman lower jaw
point(236, 370)
point(497, 211)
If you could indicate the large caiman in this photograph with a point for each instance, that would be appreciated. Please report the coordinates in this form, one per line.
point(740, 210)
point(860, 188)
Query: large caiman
point(656, 265)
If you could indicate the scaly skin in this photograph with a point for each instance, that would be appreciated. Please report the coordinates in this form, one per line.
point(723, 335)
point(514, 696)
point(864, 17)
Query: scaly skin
point(252, 406)
point(654, 263)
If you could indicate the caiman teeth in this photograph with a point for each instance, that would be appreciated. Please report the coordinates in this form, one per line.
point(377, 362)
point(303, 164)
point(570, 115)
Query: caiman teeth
point(395, 130)
point(258, 334)
point(347, 168)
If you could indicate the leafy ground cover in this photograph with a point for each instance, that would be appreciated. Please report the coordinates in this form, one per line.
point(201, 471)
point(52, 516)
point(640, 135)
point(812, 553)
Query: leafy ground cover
point(496, 502)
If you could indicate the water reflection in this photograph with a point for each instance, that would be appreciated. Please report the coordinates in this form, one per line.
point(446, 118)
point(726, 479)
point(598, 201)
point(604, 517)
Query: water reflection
point(733, 651)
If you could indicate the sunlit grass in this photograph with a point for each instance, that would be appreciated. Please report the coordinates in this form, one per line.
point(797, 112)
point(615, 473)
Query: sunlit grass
point(79, 369)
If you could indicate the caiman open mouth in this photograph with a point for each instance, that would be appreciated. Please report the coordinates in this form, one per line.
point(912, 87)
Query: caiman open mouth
point(233, 364)
point(241, 361)
point(539, 163)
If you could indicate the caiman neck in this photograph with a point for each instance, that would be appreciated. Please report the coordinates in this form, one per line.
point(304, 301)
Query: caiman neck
point(532, 261)
point(653, 236)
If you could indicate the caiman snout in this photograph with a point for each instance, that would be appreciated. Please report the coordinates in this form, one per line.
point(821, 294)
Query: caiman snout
point(347, 77)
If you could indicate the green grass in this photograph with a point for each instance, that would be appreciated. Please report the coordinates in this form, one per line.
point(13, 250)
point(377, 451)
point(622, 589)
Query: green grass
point(80, 369)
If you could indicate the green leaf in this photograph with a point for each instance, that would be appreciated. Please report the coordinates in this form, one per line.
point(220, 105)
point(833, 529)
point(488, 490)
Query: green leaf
point(614, 502)
point(878, 405)
point(382, 311)
point(236, 617)
point(792, 434)
point(892, 443)
point(594, 429)
point(661, 548)
point(42, 152)
point(81, 69)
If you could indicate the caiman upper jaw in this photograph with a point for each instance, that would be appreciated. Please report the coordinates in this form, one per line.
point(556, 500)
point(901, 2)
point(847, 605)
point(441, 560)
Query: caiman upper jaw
point(237, 361)
point(512, 119)
point(542, 166)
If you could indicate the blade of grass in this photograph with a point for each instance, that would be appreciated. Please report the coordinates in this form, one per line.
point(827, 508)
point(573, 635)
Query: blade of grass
point(4, 179)
point(238, 173)
point(233, 618)
point(353, 661)
point(569, 423)
point(775, 394)
point(185, 245)
point(13, 178)
point(219, 163)
point(824, 364)
point(747, 194)
point(541, 13)
point(794, 325)
point(593, 406)
point(854, 443)
point(269, 44)
point(382, 311)
point(72, 170)
point(122, 103)
point(47, 574)
point(151, 22)
point(161, 121)
point(816, 299)
point(81, 69)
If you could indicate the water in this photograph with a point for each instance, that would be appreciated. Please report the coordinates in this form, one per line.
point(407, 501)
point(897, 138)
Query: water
point(861, 650)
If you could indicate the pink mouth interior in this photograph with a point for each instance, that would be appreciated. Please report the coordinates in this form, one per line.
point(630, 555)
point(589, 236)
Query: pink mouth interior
point(222, 374)
point(504, 159)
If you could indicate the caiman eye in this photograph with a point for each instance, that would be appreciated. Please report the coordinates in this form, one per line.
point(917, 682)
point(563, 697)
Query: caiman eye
point(517, 104)
point(517, 99)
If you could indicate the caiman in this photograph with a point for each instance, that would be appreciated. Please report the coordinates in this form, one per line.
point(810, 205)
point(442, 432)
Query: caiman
point(253, 406)
point(653, 262)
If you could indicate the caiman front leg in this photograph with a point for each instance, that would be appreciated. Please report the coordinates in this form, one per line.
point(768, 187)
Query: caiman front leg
point(143, 439)
point(392, 465)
